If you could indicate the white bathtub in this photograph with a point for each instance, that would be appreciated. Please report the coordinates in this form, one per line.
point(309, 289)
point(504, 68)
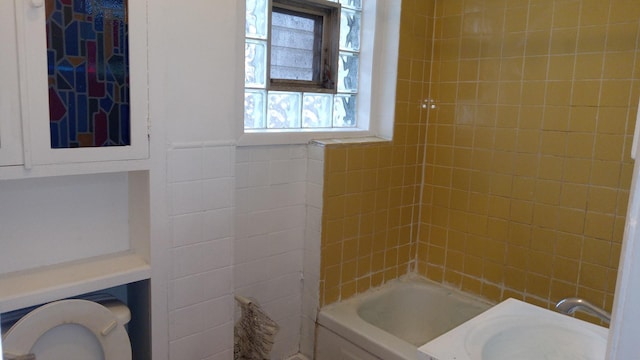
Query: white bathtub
point(391, 322)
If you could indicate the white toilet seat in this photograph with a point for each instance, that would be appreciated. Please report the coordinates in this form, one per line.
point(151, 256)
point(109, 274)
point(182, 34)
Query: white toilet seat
point(99, 320)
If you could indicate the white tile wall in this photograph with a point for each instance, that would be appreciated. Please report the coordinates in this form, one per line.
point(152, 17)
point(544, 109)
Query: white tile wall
point(200, 292)
point(244, 220)
point(271, 195)
point(312, 239)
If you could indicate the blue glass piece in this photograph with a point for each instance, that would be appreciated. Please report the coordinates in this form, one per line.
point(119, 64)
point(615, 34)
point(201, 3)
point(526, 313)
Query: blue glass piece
point(62, 84)
point(51, 60)
point(98, 22)
point(80, 6)
point(81, 78)
point(71, 39)
point(57, 17)
point(63, 128)
point(83, 113)
point(86, 31)
point(106, 103)
point(66, 70)
point(117, 67)
point(125, 131)
point(55, 135)
point(72, 116)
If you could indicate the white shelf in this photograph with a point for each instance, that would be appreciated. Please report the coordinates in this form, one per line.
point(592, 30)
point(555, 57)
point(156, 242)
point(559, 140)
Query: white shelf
point(98, 167)
point(36, 286)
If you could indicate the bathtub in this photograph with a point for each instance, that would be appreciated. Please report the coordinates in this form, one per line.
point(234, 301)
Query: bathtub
point(392, 321)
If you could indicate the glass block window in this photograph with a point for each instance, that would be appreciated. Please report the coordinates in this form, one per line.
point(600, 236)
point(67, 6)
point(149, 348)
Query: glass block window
point(88, 70)
point(288, 50)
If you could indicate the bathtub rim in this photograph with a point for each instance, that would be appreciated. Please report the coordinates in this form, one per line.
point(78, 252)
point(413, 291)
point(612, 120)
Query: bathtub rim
point(342, 318)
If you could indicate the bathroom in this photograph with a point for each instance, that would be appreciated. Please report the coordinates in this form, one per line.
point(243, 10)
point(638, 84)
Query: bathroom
point(512, 185)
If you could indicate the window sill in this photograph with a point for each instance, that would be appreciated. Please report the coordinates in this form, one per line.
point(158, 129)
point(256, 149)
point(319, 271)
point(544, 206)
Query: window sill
point(297, 136)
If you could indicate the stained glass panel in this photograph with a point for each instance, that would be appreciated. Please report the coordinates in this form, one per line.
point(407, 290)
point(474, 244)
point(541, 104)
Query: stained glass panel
point(88, 70)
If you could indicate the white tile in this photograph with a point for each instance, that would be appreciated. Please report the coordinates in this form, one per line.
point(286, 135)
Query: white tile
point(218, 224)
point(288, 171)
point(184, 165)
point(225, 355)
point(315, 172)
point(286, 218)
point(286, 240)
point(243, 175)
point(203, 345)
point(260, 198)
point(243, 154)
point(186, 197)
point(202, 257)
point(287, 194)
point(250, 273)
point(200, 317)
point(218, 161)
point(218, 193)
point(283, 264)
point(198, 288)
point(188, 229)
point(314, 195)
point(316, 152)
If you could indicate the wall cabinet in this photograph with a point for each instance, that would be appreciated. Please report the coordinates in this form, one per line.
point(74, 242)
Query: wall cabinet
point(68, 95)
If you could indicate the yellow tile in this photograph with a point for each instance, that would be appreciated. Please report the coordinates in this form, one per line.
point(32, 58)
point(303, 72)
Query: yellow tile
point(577, 170)
point(335, 183)
point(558, 94)
point(574, 196)
point(499, 207)
point(569, 246)
point(519, 235)
point(560, 290)
point(603, 200)
point(564, 14)
point(515, 279)
point(563, 41)
point(618, 38)
point(491, 292)
point(593, 276)
point(535, 68)
point(509, 93)
point(505, 139)
point(348, 290)
point(586, 92)
point(612, 120)
point(507, 117)
point(592, 38)
point(566, 269)
point(501, 185)
point(550, 168)
point(596, 251)
point(542, 263)
point(553, 143)
point(624, 11)
point(348, 272)
point(521, 211)
point(548, 192)
point(523, 188)
point(331, 295)
point(599, 225)
point(471, 285)
point(526, 164)
point(571, 220)
point(560, 67)
point(556, 117)
point(588, 66)
point(618, 65)
point(605, 173)
point(583, 118)
point(615, 93)
point(515, 19)
point(594, 12)
point(537, 43)
point(546, 216)
point(533, 92)
point(537, 285)
point(540, 16)
point(580, 145)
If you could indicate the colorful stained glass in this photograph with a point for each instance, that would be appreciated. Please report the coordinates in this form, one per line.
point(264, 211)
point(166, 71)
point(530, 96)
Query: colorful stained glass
point(88, 68)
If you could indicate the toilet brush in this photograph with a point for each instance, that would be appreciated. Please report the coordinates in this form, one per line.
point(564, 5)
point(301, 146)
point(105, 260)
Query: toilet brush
point(254, 333)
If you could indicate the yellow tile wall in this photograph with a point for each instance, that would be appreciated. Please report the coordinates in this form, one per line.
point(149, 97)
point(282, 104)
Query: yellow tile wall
point(372, 191)
point(527, 171)
point(516, 185)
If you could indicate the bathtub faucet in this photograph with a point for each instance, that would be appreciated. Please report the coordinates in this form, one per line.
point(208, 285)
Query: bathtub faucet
point(572, 304)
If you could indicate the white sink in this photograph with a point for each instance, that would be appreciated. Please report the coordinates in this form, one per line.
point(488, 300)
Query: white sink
point(517, 330)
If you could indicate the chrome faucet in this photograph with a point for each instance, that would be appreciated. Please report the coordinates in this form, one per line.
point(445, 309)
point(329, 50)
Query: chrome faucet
point(572, 304)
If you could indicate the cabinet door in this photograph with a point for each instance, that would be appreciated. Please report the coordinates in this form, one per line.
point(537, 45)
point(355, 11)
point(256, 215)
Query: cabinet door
point(10, 126)
point(84, 79)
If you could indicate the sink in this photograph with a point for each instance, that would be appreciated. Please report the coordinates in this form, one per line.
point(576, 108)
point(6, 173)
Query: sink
point(517, 330)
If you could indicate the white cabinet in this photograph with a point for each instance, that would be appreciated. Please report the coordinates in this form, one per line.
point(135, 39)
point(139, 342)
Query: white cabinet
point(25, 75)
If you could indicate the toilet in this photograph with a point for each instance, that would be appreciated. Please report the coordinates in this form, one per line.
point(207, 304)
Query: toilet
point(71, 329)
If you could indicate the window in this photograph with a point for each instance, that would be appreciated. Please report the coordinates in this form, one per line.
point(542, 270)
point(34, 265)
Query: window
point(363, 101)
point(301, 70)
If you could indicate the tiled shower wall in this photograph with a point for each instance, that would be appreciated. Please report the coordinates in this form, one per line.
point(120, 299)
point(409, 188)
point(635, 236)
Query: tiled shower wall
point(372, 191)
point(527, 169)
